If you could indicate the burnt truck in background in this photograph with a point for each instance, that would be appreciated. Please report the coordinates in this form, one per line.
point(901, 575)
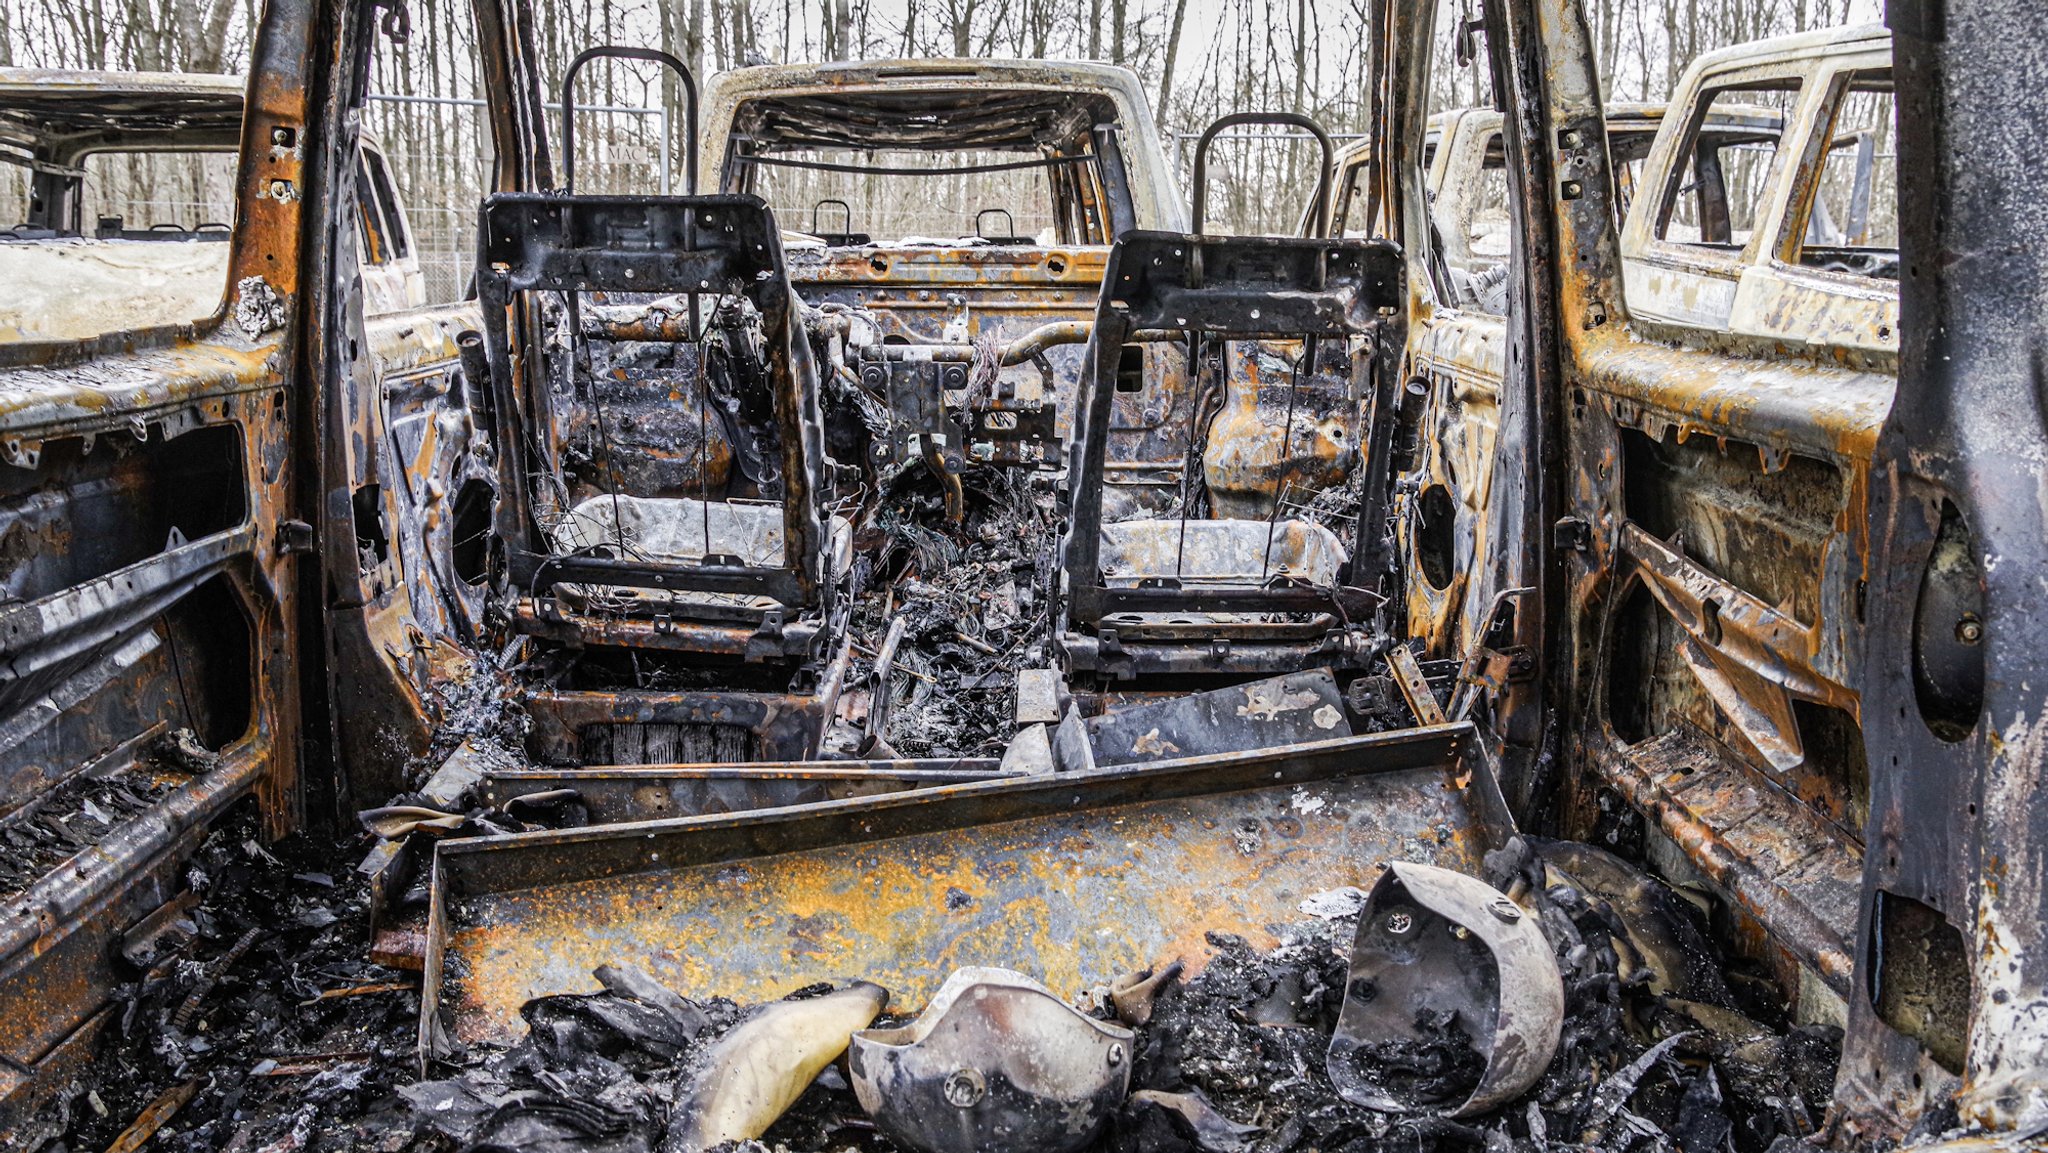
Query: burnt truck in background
point(1788, 231)
point(89, 254)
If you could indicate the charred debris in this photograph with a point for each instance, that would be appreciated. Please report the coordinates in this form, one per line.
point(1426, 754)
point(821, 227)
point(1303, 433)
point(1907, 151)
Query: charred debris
point(255, 1023)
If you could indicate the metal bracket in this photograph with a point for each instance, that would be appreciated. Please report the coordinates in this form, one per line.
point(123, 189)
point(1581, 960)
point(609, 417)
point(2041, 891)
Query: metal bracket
point(1571, 534)
point(1414, 686)
point(294, 536)
point(766, 642)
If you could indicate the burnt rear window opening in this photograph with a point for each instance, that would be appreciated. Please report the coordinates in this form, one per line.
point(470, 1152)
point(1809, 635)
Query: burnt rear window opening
point(1718, 196)
point(973, 165)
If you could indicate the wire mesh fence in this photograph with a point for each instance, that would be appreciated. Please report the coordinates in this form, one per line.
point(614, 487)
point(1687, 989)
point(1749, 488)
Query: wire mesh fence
point(439, 151)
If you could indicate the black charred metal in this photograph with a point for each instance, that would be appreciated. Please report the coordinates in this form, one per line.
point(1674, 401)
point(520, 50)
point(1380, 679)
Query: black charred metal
point(705, 248)
point(1952, 981)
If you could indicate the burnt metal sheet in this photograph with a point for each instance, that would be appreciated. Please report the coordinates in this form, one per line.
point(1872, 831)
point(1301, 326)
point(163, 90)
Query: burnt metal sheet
point(1414, 686)
point(618, 793)
point(1076, 877)
point(1773, 856)
point(1957, 825)
point(59, 937)
point(1294, 709)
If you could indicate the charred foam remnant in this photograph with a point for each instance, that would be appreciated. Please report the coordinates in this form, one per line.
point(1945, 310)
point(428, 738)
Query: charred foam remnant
point(756, 1072)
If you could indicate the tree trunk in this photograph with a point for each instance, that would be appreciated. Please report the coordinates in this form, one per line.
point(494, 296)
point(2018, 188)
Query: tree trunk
point(1162, 114)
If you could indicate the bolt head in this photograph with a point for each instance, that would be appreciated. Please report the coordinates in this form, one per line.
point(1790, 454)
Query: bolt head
point(965, 1088)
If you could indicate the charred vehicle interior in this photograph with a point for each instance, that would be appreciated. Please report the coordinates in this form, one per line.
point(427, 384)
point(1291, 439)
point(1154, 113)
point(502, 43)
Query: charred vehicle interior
point(922, 641)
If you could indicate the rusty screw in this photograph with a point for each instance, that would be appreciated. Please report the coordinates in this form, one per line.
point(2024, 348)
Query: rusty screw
point(1969, 630)
point(1505, 910)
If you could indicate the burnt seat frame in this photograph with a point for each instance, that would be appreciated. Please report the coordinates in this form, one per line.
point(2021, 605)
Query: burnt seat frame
point(1234, 288)
point(533, 243)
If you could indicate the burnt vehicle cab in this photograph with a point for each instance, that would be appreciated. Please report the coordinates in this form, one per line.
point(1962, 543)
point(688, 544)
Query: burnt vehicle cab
point(127, 201)
point(1788, 231)
point(949, 222)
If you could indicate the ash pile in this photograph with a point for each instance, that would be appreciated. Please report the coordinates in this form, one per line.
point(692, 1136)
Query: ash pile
point(1574, 1003)
point(968, 605)
point(249, 1019)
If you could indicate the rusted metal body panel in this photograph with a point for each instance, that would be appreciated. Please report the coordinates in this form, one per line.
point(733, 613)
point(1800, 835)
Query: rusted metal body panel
point(1731, 584)
point(1713, 507)
point(1721, 596)
point(620, 794)
point(615, 794)
point(1090, 874)
point(1457, 356)
point(1721, 570)
point(149, 487)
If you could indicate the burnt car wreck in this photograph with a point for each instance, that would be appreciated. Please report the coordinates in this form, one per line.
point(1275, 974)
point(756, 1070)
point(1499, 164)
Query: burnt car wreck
point(1047, 674)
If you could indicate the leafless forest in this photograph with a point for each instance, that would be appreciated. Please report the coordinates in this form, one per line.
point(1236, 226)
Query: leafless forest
point(1199, 59)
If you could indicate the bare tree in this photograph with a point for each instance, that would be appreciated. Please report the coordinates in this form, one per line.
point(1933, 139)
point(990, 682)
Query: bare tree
point(1223, 56)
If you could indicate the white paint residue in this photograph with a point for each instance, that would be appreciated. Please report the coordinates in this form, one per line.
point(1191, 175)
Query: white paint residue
point(1266, 700)
point(1327, 717)
point(1331, 904)
point(1307, 802)
point(2009, 1036)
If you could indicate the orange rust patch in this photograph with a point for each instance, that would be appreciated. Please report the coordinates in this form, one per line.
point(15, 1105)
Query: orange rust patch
point(1072, 899)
